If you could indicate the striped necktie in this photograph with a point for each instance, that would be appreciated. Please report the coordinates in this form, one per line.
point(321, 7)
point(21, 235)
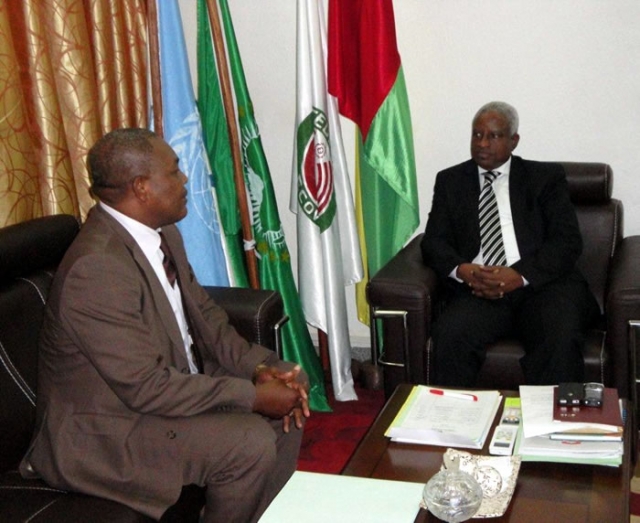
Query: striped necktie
point(490, 230)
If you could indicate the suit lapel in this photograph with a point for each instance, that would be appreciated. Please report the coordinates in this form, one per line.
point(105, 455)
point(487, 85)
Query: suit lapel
point(468, 196)
point(159, 297)
point(518, 190)
point(147, 273)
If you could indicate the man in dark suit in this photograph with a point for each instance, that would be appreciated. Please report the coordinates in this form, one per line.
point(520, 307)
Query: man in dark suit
point(533, 291)
point(143, 385)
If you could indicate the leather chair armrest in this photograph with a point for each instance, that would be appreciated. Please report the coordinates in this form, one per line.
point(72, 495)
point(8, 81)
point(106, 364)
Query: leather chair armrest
point(400, 296)
point(405, 282)
point(622, 305)
point(257, 314)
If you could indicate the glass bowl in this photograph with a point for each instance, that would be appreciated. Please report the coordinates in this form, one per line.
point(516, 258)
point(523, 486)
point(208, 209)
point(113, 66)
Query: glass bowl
point(452, 495)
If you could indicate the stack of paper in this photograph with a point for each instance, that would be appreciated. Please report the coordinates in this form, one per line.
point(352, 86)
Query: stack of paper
point(543, 448)
point(451, 418)
point(535, 441)
point(318, 498)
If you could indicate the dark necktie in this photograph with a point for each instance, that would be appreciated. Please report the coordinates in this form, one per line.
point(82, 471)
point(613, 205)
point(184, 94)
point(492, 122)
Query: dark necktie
point(490, 230)
point(172, 275)
point(167, 261)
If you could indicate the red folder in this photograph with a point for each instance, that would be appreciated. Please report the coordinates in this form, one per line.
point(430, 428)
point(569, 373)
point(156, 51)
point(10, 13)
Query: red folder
point(599, 420)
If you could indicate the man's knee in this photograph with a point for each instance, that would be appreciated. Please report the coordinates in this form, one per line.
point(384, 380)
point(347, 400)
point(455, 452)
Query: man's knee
point(223, 447)
point(260, 444)
point(252, 446)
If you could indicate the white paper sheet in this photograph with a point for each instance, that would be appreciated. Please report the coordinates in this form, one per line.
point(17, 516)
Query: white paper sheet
point(435, 419)
point(537, 412)
point(321, 498)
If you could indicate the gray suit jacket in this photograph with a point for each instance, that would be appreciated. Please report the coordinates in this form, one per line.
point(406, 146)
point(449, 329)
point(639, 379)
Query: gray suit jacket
point(112, 359)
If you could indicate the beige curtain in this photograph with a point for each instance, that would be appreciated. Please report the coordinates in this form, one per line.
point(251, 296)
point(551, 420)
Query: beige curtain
point(70, 70)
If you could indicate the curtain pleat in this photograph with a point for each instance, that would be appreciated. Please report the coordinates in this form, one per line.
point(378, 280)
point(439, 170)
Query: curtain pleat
point(70, 71)
point(19, 140)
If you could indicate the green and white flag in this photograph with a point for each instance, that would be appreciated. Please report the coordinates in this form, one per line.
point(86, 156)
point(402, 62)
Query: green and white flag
point(274, 263)
point(321, 198)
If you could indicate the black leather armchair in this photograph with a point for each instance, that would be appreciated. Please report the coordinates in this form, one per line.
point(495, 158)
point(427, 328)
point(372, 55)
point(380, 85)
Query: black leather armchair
point(29, 254)
point(403, 296)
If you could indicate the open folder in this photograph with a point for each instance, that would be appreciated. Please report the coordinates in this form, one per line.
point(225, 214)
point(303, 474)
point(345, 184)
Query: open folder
point(446, 417)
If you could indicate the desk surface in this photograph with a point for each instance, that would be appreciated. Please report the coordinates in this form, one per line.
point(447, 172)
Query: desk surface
point(567, 492)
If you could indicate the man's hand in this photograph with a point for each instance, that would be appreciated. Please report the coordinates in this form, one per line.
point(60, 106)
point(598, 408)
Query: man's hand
point(275, 399)
point(490, 282)
point(270, 400)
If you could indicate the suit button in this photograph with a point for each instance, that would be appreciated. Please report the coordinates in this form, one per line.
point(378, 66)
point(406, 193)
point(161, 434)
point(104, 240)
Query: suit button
point(171, 434)
point(185, 371)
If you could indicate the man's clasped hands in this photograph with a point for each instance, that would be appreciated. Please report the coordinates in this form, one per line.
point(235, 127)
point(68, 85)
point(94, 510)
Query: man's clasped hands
point(279, 394)
point(491, 282)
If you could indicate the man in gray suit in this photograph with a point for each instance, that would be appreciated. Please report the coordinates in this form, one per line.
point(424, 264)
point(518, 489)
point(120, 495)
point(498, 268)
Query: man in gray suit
point(143, 385)
point(534, 291)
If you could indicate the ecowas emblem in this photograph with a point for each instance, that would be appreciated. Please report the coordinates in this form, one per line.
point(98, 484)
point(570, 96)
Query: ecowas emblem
point(316, 196)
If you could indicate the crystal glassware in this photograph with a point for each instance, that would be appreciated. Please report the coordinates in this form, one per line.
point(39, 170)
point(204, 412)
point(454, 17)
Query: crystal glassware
point(452, 495)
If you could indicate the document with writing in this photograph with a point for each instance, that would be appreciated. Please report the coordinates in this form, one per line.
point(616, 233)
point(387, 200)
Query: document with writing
point(538, 414)
point(453, 418)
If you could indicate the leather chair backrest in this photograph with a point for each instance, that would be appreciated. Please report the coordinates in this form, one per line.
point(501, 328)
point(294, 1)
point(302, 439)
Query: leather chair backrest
point(600, 218)
point(29, 253)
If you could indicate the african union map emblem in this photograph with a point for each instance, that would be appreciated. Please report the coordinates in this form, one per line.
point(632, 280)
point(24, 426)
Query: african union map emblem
point(316, 196)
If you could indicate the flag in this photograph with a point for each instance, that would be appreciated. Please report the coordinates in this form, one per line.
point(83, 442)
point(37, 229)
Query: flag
point(183, 131)
point(321, 198)
point(216, 137)
point(274, 262)
point(365, 74)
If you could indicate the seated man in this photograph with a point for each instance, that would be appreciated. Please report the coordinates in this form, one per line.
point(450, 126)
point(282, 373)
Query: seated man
point(143, 385)
point(506, 251)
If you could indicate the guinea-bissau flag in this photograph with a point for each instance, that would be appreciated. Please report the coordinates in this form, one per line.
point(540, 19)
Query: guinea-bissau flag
point(365, 75)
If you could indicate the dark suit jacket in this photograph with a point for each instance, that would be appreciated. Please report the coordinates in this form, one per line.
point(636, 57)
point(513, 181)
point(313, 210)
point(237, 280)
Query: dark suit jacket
point(112, 359)
point(545, 222)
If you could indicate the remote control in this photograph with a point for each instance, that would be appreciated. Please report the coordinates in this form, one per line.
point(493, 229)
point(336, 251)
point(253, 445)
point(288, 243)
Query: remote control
point(504, 435)
point(503, 440)
point(510, 416)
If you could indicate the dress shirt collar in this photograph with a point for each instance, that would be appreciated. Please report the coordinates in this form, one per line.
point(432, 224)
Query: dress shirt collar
point(147, 238)
point(505, 168)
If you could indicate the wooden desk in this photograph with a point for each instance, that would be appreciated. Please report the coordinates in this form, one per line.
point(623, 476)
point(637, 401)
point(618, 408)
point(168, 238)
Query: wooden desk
point(545, 491)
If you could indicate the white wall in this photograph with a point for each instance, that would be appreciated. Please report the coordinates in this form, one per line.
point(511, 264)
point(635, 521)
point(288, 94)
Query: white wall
point(571, 67)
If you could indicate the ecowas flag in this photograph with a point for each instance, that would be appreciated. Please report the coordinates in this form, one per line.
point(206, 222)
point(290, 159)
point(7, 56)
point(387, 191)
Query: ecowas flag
point(328, 255)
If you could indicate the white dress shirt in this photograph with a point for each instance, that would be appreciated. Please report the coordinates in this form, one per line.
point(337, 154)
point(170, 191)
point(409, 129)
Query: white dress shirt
point(501, 190)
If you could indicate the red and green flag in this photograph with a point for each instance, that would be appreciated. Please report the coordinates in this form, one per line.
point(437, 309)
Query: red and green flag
point(365, 75)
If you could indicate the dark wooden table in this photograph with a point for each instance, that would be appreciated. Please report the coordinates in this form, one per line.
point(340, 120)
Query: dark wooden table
point(544, 492)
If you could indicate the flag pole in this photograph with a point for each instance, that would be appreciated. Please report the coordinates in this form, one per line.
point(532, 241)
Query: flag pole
point(232, 128)
point(154, 66)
